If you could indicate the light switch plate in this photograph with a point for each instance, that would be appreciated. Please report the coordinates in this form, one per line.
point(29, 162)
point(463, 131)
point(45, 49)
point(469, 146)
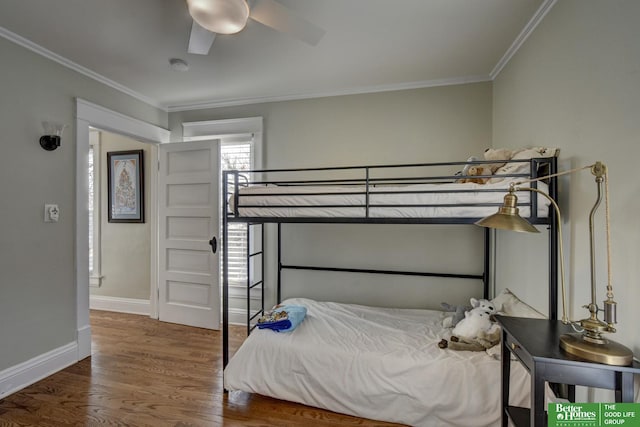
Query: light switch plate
point(51, 213)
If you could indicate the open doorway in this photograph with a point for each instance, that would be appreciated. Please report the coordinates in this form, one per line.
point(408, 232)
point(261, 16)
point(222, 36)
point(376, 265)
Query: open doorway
point(119, 252)
point(90, 115)
point(122, 253)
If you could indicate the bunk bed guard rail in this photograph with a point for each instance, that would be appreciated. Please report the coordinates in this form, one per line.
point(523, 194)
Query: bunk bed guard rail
point(369, 193)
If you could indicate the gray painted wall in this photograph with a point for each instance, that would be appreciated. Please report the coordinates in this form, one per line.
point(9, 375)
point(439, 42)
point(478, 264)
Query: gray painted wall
point(37, 280)
point(426, 125)
point(575, 84)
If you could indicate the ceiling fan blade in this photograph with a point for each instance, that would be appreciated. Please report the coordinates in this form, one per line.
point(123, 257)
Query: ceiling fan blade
point(200, 40)
point(280, 18)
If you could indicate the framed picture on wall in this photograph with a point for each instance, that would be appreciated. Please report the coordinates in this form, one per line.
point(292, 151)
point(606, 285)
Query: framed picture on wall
point(125, 172)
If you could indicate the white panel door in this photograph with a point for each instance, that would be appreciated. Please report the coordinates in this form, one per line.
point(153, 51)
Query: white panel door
point(188, 273)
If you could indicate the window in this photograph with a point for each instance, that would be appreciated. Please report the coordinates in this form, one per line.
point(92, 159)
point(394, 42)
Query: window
point(93, 171)
point(236, 155)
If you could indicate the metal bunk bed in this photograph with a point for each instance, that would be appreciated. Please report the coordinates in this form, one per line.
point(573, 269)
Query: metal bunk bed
point(366, 183)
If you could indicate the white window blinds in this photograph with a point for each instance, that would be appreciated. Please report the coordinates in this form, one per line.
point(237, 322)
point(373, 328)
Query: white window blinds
point(236, 156)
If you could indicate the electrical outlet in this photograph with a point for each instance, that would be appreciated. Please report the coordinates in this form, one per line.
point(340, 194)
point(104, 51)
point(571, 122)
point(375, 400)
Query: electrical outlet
point(51, 213)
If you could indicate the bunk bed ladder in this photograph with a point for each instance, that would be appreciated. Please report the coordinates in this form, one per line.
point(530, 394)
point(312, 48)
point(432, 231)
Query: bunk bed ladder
point(250, 256)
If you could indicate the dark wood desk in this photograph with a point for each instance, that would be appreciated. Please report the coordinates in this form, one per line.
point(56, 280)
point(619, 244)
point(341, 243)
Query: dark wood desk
point(535, 342)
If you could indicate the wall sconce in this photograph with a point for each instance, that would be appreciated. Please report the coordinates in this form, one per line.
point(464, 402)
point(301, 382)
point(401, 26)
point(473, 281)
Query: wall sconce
point(51, 139)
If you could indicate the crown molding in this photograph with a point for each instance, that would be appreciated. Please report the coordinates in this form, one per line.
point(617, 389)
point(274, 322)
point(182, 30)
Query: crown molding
point(28, 44)
point(349, 91)
point(542, 11)
point(544, 8)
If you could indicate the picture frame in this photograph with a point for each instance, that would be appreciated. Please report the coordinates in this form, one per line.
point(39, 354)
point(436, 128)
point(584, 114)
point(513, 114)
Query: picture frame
point(125, 173)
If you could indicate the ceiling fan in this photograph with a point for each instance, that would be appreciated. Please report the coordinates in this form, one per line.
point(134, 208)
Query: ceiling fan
point(211, 17)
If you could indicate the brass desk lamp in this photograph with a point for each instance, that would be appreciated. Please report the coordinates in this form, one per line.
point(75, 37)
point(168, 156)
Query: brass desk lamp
point(588, 342)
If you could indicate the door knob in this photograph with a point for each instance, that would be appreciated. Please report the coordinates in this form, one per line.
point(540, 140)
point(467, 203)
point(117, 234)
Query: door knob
point(214, 244)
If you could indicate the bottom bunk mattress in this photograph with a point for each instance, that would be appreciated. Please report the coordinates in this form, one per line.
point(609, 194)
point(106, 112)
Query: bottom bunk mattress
point(376, 363)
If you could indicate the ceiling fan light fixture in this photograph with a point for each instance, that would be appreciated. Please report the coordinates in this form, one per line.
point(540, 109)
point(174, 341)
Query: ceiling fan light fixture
point(220, 16)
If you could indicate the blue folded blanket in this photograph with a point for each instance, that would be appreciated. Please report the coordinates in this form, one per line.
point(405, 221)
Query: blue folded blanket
point(284, 318)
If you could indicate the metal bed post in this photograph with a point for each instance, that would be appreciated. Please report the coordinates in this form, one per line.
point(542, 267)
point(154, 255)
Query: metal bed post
point(248, 260)
point(278, 291)
point(225, 272)
point(487, 263)
point(553, 243)
point(262, 259)
point(367, 192)
point(533, 199)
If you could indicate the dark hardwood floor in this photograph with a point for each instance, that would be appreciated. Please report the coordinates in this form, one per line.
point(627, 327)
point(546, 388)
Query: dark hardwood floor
point(143, 372)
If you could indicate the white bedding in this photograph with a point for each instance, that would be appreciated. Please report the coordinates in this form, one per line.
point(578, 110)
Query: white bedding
point(376, 363)
point(449, 204)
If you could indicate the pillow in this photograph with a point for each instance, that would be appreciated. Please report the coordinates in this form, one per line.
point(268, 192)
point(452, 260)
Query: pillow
point(500, 155)
point(523, 154)
point(514, 306)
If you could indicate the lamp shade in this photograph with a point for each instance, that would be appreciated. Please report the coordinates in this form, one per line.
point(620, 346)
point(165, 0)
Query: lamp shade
point(220, 16)
point(507, 217)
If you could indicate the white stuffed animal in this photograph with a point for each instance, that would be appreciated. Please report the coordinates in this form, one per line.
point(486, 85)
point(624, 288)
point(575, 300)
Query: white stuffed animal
point(475, 320)
point(485, 304)
point(459, 311)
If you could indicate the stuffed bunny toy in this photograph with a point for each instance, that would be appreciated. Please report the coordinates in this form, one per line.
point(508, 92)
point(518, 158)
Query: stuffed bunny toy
point(475, 332)
point(459, 311)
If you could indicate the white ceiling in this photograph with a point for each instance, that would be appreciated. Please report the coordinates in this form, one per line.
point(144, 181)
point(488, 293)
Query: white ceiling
point(369, 45)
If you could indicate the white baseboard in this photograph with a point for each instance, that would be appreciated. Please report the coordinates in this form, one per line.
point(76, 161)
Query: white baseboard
point(26, 373)
point(122, 305)
point(84, 342)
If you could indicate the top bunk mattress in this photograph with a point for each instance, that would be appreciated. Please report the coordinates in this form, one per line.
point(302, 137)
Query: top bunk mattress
point(449, 200)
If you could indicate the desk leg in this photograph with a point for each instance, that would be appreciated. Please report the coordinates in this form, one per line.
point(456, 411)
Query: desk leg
point(624, 387)
point(506, 373)
point(538, 412)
